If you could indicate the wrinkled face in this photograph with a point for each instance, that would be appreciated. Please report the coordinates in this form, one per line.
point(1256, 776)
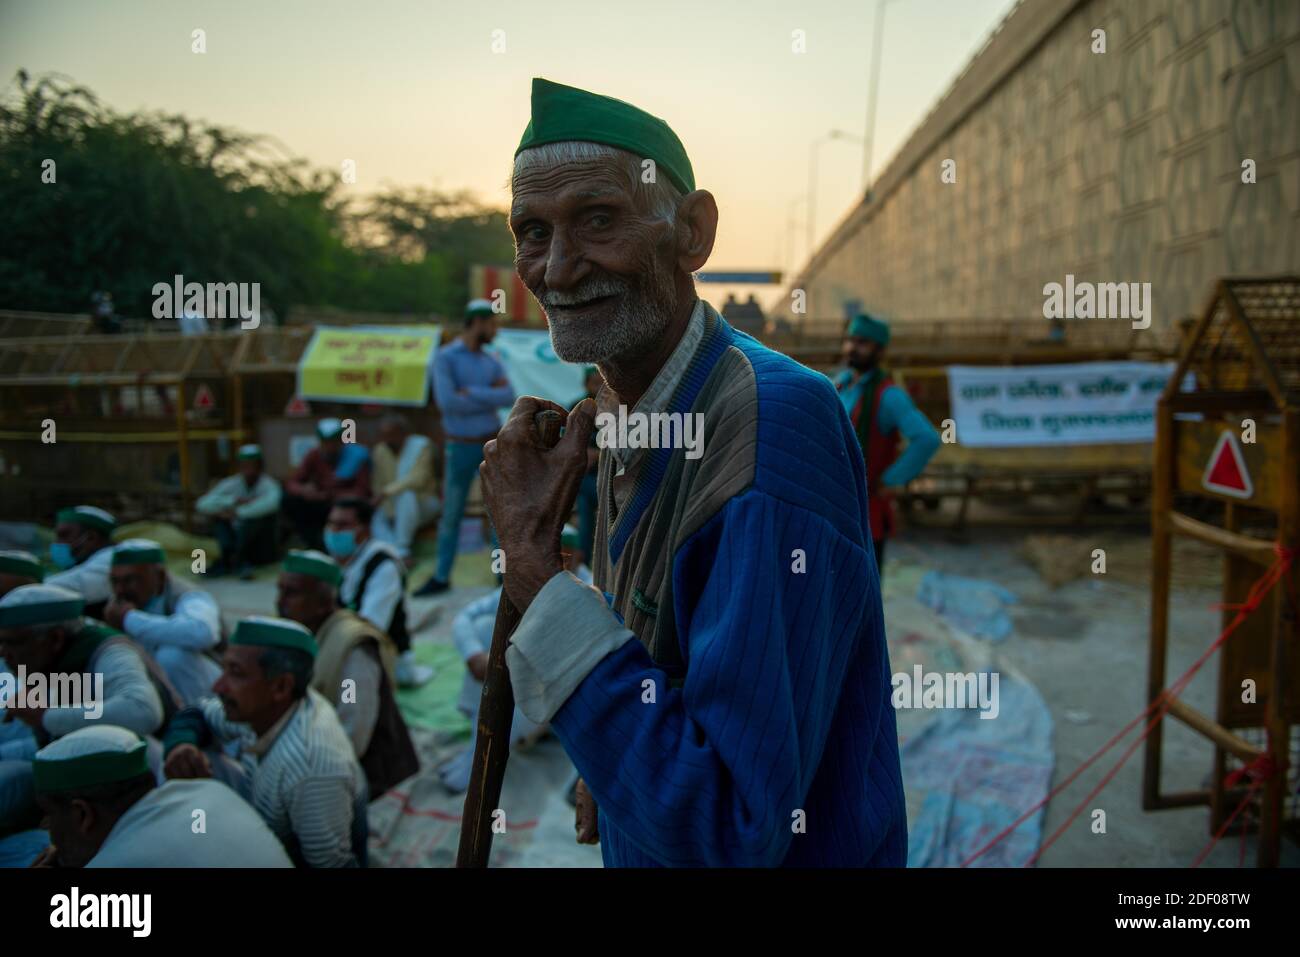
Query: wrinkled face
point(137, 584)
point(21, 648)
point(601, 266)
point(244, 691)
point(250, 469)
point(302, 598)
point(71, 824)
point(861, 354)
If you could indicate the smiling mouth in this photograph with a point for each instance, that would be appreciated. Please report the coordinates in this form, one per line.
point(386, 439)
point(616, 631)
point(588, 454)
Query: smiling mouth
point(595, 303)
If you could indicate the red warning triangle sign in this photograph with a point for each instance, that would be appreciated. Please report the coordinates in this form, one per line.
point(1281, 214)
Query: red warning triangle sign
point(203, 398)
point(297, 407)
point(1226, 471)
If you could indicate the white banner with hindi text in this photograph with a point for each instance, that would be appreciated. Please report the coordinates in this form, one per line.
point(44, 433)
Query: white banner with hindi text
point(1085, 403)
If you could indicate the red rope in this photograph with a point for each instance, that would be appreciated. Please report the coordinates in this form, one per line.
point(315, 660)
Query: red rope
point(1258, 591)
point(1259, 770)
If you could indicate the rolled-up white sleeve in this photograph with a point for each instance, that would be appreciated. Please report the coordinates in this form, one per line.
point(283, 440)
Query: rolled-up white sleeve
point(566, 632)
point(195, 624)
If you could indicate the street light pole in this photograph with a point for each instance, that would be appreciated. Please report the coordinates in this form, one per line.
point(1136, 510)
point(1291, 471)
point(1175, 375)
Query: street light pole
point(877, 38)
point(812, 180)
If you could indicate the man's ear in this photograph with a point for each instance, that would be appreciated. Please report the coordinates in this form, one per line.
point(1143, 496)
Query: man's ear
point(697, 227)
point(83, 816)
point(282, 687)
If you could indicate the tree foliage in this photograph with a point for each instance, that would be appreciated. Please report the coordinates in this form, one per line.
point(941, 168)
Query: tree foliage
point(138, 198)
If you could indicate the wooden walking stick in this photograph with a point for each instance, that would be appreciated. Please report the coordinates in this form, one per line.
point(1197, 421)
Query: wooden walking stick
point(496, 710)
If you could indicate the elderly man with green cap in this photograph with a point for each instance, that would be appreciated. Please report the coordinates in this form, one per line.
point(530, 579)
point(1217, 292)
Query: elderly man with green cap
point(103, 808)
point(470, 385)
point(333, 470)
point(355, 668)
point(882, 413)
point(88, 673)
point(82, 550)
point(177, 623)
point(244, 509)
point(292, 759)
point(724, 688)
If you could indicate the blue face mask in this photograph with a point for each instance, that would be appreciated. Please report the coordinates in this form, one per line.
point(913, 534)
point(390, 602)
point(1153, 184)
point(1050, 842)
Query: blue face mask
point(61, 554)
point(340, 544)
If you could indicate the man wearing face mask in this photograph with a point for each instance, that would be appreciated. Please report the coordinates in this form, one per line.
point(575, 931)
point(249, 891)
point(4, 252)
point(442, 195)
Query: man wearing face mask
point(334, 469)
point(83, 550)
point(178, 624)
point(374, 581)
point(881, 412)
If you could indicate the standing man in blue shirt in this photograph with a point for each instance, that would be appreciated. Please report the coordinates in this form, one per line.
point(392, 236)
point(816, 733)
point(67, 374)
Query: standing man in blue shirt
point(470, 385)
point(881, 412)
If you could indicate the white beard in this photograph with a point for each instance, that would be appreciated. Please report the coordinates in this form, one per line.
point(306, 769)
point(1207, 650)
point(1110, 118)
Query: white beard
point(643, 315)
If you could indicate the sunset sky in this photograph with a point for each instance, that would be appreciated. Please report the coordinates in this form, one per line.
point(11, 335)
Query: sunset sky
point(413, 92)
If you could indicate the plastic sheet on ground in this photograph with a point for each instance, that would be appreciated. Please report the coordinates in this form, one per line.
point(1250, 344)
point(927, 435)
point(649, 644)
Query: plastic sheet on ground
point(976, 607)
point(967, 778)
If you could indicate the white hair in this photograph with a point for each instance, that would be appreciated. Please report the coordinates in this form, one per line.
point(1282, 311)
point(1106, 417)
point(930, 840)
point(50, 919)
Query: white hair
point(660, 198)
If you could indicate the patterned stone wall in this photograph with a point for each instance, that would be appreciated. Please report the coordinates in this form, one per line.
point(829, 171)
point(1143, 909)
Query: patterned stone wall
point(1117, 167)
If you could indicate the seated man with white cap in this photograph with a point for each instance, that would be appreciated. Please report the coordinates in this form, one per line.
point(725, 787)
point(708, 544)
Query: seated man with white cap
point(244, 509)
point(333, 470)
point(355, 668)
point(83, 548)
point(103, 808)
point(294, 762)
point(179, 624)
point(103, 675)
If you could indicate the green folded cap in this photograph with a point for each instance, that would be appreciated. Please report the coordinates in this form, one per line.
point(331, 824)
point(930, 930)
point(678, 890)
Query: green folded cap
point(864, 326)
point(314, 563)
point(478, 307)
point(89, 516)
point(329, 428)
point(274, 633)
point(35, 605)
point(22, 564)
point(250, 452)
point(138, 551)
point(569, 537)
point(566, 114)
point(89, 757)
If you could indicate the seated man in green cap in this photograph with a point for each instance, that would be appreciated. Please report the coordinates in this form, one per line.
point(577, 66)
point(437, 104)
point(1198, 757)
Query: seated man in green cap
point(334, 469)
point(92, 674)
point(882, 413)
point(177, 623)
point(103, 808)
point(244, 509)
point(355, 668)
point(726, 681)
point(82, 549)
point(294, 761)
